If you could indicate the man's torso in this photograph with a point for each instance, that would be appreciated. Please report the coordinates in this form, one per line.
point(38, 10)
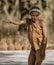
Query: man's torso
point(35, 33)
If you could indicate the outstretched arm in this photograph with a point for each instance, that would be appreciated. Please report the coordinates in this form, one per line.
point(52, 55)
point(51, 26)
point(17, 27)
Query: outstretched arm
point(18, 22)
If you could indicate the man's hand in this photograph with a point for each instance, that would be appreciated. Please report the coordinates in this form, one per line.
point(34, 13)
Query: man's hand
point(8, 21)
point(12, 22)
point(45, 40)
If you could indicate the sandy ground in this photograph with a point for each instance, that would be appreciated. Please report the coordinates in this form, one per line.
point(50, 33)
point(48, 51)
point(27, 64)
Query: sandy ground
point(21, 57)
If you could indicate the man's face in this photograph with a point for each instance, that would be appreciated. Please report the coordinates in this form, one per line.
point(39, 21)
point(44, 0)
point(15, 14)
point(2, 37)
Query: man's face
point(34, 16)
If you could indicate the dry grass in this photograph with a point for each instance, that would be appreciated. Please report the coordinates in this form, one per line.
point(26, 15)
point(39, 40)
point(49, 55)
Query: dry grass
point(18, 43)
point(14, 43)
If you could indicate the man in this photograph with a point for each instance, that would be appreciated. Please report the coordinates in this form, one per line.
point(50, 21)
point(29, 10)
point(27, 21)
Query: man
point(36, 35)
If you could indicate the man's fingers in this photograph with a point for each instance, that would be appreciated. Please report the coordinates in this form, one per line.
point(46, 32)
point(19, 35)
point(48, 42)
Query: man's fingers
point(7, 21)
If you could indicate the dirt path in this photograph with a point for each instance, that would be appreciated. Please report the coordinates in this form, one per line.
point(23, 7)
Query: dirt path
point(21, 58)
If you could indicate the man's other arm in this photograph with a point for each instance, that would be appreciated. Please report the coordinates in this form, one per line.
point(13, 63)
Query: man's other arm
point(44, 42)
point(44, 31)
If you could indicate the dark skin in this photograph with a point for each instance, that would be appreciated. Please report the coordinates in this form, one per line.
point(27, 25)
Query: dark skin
point(35, 19)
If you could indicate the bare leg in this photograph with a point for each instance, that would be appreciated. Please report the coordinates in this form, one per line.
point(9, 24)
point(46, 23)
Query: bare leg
point(38, 58)
point(32, 58)
point(39, 63)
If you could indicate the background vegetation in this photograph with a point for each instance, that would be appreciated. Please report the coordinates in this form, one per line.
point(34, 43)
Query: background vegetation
point(14, 37)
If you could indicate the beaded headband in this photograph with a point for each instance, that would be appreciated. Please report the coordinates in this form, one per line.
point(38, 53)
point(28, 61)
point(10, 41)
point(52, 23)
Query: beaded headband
point(34, 10)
